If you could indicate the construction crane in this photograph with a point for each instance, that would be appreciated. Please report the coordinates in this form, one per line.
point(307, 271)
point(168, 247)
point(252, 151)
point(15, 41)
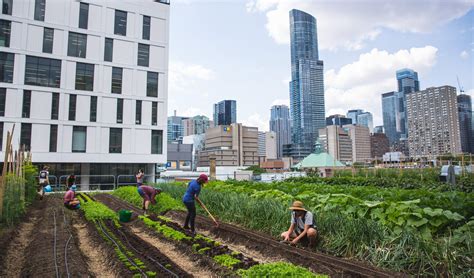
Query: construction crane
point(461, 90)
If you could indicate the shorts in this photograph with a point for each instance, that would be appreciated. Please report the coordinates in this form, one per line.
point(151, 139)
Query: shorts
point(73, 207)
point(143, 195)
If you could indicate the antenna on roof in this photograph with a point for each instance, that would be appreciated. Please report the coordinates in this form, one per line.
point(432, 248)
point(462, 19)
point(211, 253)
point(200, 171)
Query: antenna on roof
point(461, 90)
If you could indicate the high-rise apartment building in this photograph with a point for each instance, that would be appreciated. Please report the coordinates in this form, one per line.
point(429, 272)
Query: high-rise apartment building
point(225, 112)
point(267, 145)
point(175, 127)
point(234, 145)
point(280, 124)
point(360, 138)
point(307, 84)
point(196, 125)
point(379, 145)
point(336, 142)
point(339, 120)
point(465, 123)
point(433, 122)
point(86, 83)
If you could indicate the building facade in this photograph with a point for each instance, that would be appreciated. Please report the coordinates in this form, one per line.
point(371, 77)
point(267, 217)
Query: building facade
point(196, 125)
point(379, 129)
point(85, 83)
point(267, 145)
point(379, 145)
point(307, 84)
point(389, 115)
point(433, 122)
point(225, 112)
point(366, 119)
point(175, 127)
point(360, 138)
point(353, 113)
point(280, 124)
point(339, 120)
point(336, 142)
point(180, 156)
point(234, 145)
point(465, 123)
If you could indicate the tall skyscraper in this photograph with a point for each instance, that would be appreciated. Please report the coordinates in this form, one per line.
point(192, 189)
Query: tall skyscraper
point(366, 119)
point(389, 113)
point(81, 82)
point(339, 120)
point(280, 124)
point(407, 80)
point(175, 127)
point(307, 84)
point(225, 112)
point(433, 122)
point(352, 114)
point(196, 125)
point(465, 123)
point(360, 138)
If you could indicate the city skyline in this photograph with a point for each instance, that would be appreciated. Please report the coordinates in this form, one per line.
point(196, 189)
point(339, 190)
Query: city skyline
point(359, 67)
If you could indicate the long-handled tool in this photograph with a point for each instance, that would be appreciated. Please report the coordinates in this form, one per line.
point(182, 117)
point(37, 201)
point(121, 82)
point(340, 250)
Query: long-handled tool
point(208, 212)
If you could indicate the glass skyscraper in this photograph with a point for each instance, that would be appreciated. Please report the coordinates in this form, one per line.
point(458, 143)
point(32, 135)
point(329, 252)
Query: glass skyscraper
point(225, 112)
point(465, 123)
point(389, 111)
point(307, 84)
point(280, 124)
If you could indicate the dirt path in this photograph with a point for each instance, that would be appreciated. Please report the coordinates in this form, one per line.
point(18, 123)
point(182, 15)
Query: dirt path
point(177, 256)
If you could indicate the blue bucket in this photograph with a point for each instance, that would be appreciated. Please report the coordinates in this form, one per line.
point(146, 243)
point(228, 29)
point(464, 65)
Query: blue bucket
point(48, 188)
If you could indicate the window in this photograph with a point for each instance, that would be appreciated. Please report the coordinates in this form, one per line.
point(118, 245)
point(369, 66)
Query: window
point(25, 136)
point(5, 31)
point(93, 115)
point(115, 140)
point(77, 45)
point(154, 113)
point(7, 7)
point(157, 141)
point(43, 72)
point(53, 138)
point(152, 84)
point(48, 37)
point(79, 139)
point(84, 77)
point(40, 7)
point(120, 27)
point(108, 49)
point(1, 136)
point(119, 110)
point(138, 112)
point(143, 55)
point(6, 67)
point(116, 80)
point(55, 106)
point(26, 104)
point(72, 107)
point(146, 27)
point(3, 97)
point(83, 15)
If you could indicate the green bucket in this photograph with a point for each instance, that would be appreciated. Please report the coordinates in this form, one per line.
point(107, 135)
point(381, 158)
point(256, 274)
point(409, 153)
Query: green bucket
point(125, 215)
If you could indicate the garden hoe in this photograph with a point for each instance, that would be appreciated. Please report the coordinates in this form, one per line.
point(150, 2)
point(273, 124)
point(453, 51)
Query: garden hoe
point(208, 212)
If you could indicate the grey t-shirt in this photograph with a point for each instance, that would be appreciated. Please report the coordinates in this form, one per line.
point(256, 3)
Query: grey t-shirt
point(308, 220)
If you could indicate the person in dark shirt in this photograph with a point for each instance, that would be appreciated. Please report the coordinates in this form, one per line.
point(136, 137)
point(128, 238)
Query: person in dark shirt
point(192, 194)
point(148, 194)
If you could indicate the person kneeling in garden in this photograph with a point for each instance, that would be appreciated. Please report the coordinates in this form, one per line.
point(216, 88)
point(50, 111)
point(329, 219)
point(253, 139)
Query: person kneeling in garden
point(148, 194)
point(302, 226)
point(70, 200)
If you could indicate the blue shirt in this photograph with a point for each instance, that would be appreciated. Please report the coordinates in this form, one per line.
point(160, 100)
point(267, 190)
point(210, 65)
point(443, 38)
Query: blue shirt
point(194, 188)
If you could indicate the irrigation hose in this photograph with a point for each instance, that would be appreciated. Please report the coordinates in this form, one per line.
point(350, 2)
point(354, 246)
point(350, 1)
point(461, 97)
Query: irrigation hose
point(55, 255)
point(67, 244)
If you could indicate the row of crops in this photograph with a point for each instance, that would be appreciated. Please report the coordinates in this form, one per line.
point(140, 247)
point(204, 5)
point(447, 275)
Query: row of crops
point(419, 231)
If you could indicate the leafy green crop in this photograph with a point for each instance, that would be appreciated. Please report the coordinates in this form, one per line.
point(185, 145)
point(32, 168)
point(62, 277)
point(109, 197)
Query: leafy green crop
point(97, 211)
point(280, 270)
point(163, 201)
point(226, 260)
point(165, 230)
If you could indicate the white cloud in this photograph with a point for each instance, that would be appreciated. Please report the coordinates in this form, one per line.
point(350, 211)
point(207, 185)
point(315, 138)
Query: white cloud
point(464, 54)
point(257, 120)
point(350, 23)
point(285, 101)
point(361, 83)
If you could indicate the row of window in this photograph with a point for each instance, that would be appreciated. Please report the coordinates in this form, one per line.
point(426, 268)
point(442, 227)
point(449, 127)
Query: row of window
point(77, 44)
point(79, 139)
point(72, 108)
point(120, 24)
point(46, 72)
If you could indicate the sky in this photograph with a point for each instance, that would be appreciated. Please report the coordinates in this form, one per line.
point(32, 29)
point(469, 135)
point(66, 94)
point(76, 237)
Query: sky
point(239, 49)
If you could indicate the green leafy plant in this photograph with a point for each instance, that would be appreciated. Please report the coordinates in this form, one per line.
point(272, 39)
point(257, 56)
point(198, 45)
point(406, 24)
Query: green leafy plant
point(226, 260)
point(280, 270)
point(163, 201)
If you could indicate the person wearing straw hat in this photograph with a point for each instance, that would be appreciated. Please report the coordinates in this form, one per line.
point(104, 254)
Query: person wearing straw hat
point(302, 227)
point(148, 194)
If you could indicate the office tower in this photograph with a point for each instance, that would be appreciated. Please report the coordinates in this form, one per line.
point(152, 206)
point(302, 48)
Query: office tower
point(379, 145)
point(307, 84)
point(280, 124)
point(225, 112)
point(379, 129)
point(360, 137)
point(352, 114)
point(433, 122)
point(196, 125)
point(81, 83)
point(267, 145)
point(366, 119)
point(465, 123)
point(336, 142)
point(339, 120)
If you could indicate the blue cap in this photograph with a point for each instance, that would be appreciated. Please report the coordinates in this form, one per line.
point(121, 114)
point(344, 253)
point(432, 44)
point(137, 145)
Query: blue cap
point(73, 187)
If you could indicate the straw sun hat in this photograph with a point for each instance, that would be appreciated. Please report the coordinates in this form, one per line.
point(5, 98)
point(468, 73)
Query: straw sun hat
point(297, 205)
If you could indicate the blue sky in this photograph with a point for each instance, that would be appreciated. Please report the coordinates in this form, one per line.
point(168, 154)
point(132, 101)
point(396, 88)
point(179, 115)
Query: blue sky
point(239, 50)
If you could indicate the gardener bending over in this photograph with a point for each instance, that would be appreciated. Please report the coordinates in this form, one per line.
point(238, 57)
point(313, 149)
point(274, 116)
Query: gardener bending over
point(43, 181)
point(148, 194)
point(194, 188)
point(302, 226)
point(70, 200)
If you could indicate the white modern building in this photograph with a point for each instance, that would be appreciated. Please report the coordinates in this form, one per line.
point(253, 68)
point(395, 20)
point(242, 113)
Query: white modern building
point(267, 145)
point(85, 83)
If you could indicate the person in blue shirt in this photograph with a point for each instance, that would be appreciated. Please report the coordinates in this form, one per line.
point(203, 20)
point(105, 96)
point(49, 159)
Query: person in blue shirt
point(192, 193)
